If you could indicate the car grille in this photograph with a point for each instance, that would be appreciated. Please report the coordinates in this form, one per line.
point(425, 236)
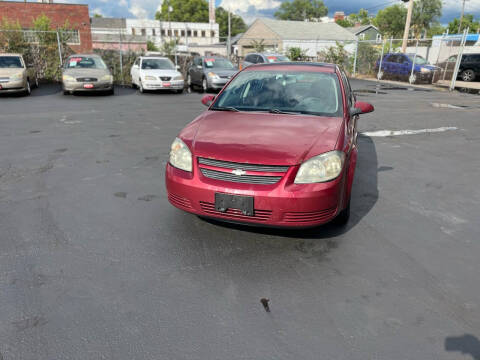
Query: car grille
point(165, 78)
point(226, 171)
point(179, 201)
point(225, 76)
point(258, 215)
point(299, 217)
point(87, 79)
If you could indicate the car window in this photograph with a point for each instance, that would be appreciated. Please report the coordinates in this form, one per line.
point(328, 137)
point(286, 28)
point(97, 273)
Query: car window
point(215, 63)
point(137, 62)
point(250, 58)
point(313, 93)
point(14, 62)
point(259, 59)
point(85, 62)
point(452, 59)
point(348, 90)
point(419, 60)
point(157, 64)
point(276, 58)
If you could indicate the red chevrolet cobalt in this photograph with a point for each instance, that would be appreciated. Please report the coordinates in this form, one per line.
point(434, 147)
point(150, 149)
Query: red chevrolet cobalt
point(276, 147)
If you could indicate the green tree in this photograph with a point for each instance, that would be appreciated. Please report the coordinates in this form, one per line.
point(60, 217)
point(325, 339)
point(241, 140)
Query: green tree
point(168, 48)
point(361, 17)
point(97, 15)
point(151, 46)
point(296, 54)
point(236, 22)
point(425, 13)
point(391, 21)
point(301, 10)
point(184, 11)
point(468, 22)
point(344, 22)
point(258, 45)
point(336, 55)
point(435, 29)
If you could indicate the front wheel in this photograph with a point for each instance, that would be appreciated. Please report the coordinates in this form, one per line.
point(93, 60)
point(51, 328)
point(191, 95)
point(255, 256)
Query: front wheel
point(204, 85)
point(343, 217)
point(140, 88)
point(28, 90)
point(189, 80)
point(468, 75)
point(412, 79)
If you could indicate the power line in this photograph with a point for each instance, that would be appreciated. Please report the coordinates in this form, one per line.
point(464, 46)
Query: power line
point(381, 5)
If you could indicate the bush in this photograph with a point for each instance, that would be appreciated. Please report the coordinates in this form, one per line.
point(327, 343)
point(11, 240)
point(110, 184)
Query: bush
point(337, 55)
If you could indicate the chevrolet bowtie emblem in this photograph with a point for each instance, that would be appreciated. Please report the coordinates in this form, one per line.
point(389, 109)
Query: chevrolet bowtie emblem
point(238, 172)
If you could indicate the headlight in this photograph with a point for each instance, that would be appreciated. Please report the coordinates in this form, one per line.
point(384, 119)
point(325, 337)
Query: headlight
point(213, 75)
point(107, 78)
point(425, 70)
point(18, 76)
point(179, 77)
point(148, 77)
point(68, 78)
point(180, 155)
point(321, 168)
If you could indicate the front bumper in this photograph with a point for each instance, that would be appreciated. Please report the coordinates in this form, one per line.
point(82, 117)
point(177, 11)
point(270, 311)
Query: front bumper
point(217, 83)
point(163, 85)
point(284, 204)
point(13, 86)
point(80, 86)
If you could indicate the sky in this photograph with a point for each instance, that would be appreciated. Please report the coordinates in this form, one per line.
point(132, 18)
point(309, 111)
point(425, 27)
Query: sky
point(250, 9)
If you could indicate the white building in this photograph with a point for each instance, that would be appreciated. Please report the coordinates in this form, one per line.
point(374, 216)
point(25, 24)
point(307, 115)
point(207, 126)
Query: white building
point(189, 34)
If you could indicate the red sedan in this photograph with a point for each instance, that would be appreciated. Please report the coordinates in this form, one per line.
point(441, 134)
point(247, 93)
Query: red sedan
point(276, 147)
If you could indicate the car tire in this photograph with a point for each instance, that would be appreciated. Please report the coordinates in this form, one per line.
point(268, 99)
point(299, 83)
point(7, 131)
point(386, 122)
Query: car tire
point(467, 75)
point(380, 75)
point(205, 85)
point(140, 88)
point(412, 79)
point(28, 90)
point(36, 82)
point(111, 91)
point(189, 81)
point(180, 91)
point(343, 217)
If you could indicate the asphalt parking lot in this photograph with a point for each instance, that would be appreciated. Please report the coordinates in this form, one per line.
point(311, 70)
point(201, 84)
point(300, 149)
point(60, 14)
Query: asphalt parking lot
point(96, 264)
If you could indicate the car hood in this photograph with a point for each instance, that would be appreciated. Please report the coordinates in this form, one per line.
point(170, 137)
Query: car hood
point(10, 71)
point(86, 72)
point(260, 138)
point(222, 72)
point(160, 72)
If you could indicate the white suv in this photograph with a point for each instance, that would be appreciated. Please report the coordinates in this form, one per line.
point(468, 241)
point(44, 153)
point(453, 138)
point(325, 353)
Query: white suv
point(156, 73)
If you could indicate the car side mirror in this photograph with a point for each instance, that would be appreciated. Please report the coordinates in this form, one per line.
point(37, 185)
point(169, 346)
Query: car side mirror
point(361, 107)
point(207, 100)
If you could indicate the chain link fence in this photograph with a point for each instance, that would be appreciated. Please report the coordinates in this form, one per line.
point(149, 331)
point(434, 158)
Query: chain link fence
point(427, 60)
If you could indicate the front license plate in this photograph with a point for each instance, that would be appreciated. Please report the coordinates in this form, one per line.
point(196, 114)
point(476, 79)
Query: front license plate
point(88, 86)
point(223, 202)
point(167, 84)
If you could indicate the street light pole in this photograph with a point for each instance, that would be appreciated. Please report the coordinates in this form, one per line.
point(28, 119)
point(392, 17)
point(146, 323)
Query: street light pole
point(229, 40)
point(461, 17)
point(407, 26)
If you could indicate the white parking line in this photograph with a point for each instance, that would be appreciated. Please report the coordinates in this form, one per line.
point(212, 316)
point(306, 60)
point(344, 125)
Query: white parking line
point(383, 133)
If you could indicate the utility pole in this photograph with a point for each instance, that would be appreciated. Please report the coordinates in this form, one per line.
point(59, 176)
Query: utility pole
point(461, 17)
point(229, 40)
point(407, 25)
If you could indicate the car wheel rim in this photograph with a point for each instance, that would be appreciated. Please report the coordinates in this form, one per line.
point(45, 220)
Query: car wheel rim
point(413, 78)
point(28, 87)
point(380, 75)
point(204, 85)
point(189, 80)
point(467, 76)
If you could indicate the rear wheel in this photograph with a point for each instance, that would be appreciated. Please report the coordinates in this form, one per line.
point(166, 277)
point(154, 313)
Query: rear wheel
point(140, 87)
point(468, 75)
point(28, 90)
point(204, 85)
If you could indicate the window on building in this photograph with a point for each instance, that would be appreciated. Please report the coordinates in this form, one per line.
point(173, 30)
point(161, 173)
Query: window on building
point(72, 37)
point(189, 33)
point(379, 38)
point(195, 33)
point(203, 33)
point(183, 33)
point(212, 34)
point(153, 32)
point(176, 33)
point(144, 32)
point(133, 31)
point(362, 36)
point(163, 32)
point(169, 32)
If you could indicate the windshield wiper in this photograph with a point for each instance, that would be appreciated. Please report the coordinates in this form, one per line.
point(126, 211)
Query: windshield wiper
point(225, 108)
point(278, 111)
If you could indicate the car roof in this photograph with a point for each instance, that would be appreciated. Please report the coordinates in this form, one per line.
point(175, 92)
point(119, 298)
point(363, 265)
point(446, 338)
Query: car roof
point(317, 67)
point(90, 55)
point(153, 57)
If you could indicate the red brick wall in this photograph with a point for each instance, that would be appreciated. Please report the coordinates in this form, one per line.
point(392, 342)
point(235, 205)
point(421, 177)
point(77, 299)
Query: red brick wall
point(76, 15)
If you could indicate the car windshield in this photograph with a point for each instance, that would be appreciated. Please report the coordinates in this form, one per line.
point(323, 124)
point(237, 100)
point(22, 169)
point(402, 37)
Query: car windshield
point(85, 62)
point(313, 93)
point(276, 58)
point(13, 62)
point(418, 60)
point(212, 63)
point(157, 64)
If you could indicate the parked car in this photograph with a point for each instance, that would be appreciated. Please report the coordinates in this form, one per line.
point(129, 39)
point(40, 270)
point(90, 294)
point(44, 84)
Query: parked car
point(399, 66)
point(86, 72)
point(263, 58)
point(277, 147)
point(15, 75)
point(469, 69)
point(156, 73)
point(210, 72)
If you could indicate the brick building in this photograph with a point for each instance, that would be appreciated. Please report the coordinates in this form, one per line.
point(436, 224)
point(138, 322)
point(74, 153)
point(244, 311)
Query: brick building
point(76, 15)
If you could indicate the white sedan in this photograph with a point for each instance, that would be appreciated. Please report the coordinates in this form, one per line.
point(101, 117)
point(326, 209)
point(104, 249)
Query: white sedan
point(156, 73)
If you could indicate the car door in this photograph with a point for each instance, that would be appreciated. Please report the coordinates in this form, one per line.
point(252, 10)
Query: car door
point(197, 71)
point(404, 66)
point(386, 64)
point(134, 72)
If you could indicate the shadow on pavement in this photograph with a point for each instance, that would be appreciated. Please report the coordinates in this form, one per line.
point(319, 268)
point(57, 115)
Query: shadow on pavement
point(364, 197)
point(465, 344)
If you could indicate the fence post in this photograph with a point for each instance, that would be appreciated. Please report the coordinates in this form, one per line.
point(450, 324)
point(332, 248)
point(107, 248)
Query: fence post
point(381, 60)
point(355, 59)
point(121, 57)
point(411, 79)
point(459, 59)
point(59, 49)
